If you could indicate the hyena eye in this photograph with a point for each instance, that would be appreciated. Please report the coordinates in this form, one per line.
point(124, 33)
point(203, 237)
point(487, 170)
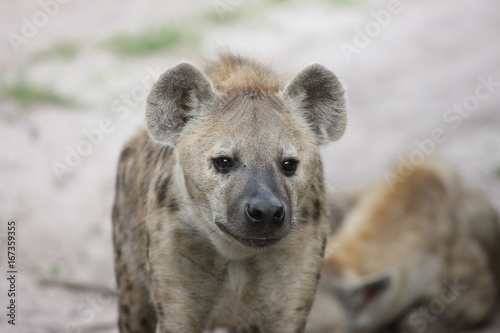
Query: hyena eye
point(289, 166)
point(223, 164)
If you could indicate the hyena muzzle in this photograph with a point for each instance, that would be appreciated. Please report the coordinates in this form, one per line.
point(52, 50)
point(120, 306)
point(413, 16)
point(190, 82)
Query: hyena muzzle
point(219, 217)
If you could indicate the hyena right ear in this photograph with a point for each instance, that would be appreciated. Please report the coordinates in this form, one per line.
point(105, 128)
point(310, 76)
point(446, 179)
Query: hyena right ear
point(319, 97)
point(180, 93)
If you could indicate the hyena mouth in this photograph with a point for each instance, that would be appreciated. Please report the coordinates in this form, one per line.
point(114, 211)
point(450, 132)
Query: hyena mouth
point(251, 242)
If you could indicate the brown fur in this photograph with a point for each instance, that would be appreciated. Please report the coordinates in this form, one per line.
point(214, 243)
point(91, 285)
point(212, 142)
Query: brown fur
point(233, 74)
point(406, 251)
point(178, 223)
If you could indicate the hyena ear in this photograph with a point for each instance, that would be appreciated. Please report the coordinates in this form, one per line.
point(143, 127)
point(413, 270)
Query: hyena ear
point(319, 96)
point(366, 299)
point(181, 93)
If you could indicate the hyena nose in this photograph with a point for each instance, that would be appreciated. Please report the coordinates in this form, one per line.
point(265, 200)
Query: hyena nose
point(261, 212)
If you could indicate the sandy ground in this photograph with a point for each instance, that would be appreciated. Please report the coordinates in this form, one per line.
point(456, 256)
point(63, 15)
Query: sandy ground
point(430, 56)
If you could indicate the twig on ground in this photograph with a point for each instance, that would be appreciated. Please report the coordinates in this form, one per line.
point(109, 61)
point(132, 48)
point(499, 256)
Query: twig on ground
point(76, 286)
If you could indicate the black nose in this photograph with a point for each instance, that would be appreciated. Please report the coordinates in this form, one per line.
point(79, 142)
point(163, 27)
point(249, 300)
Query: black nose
point(265, 211)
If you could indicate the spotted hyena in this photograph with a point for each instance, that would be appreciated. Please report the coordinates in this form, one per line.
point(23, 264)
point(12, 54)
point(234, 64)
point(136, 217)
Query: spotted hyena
point(219, 217)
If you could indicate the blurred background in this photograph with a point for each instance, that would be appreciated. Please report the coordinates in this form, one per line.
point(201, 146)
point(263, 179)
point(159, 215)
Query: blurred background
point(74, 76)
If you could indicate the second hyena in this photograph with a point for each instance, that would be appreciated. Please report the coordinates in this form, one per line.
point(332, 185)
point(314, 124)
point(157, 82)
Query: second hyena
point(422, 255)
point(219, 217)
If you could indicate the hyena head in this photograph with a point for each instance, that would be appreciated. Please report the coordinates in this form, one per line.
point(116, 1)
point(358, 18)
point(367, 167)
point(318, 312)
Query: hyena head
point(246, 152)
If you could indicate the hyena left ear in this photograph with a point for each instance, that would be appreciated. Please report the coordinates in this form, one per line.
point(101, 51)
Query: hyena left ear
point(366, 299)
point(180, 93)
point(321, 100)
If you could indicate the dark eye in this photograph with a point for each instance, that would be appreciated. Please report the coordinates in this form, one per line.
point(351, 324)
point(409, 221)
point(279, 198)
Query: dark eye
point(223, 164)
point(289, 166)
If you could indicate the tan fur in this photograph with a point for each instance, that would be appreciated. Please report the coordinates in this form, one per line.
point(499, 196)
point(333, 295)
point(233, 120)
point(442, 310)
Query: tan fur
point(180, 260)
point(425, 251)
point(235, 74)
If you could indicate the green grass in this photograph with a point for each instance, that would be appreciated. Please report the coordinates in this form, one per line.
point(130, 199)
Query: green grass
point(28, 93)
point(63, 49)
point(55, 270)
point(151, 40)
point(343, 3)
point(96, 229)
point(497, 171)
point(33, 269)
point(227, 13)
